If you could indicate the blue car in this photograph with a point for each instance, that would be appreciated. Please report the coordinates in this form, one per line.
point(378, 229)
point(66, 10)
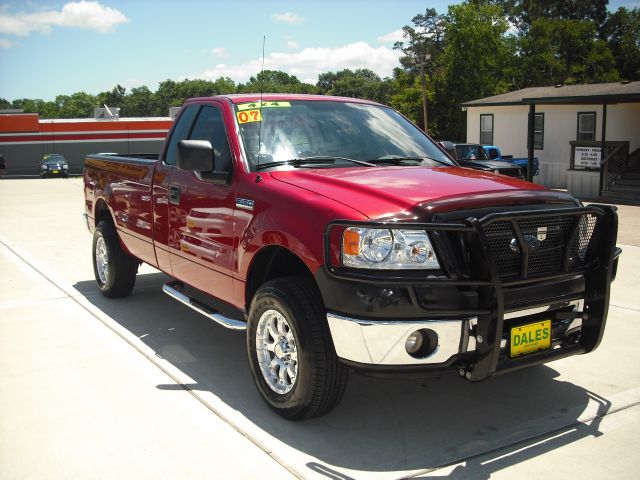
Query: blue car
point(494, 153)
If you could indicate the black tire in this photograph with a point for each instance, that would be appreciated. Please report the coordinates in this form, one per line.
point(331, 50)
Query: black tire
point(120, 268)
point(321, 379)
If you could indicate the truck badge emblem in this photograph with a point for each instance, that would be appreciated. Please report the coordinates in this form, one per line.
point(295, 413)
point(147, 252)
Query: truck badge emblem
point(542, 234)
point(244, 204)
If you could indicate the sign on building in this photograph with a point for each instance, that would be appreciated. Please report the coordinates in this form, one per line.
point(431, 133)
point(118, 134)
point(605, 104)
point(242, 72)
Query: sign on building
point(587, 157)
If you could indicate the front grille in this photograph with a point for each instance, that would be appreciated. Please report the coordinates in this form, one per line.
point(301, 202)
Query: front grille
point(536, 246)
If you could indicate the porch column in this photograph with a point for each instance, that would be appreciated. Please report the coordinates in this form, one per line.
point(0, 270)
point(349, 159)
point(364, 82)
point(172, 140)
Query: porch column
point(530, 134)
point(603, 141)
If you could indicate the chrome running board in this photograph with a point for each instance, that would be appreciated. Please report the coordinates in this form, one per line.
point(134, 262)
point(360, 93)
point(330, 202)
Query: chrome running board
point(173, 289)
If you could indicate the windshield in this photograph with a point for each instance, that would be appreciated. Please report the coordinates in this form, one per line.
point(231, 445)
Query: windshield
point(470, 152)
point(53, 159)
point(298, 129)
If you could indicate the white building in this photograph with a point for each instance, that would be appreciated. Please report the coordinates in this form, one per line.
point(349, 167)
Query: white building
point(567, 116)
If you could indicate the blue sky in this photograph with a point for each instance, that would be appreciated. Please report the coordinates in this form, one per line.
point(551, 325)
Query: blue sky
point(49, 48)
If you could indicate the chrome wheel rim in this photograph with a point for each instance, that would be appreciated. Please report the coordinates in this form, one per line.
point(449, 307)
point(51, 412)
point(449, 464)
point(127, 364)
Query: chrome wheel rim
point(277, 352)
point(102, 260)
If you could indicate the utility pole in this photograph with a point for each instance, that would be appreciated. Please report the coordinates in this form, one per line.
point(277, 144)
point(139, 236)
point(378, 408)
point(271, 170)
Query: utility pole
point(423, 78)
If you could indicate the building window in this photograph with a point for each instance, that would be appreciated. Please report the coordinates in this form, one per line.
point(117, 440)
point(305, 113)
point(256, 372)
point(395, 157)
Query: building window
point(486, 129)
point(538, 132)
point(586, 126)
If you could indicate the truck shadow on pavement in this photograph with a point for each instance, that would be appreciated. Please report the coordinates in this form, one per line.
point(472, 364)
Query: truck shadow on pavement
point(382, 424)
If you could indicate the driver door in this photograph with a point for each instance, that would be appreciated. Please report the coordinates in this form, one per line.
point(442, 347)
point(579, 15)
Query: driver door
point(201, 214)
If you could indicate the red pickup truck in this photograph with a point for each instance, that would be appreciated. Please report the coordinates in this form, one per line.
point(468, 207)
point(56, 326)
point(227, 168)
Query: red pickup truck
point(342, 237)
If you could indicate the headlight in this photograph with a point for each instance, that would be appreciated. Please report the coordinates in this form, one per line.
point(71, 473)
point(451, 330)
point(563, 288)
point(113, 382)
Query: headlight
point(65, 167)
point(44, 167)
point(387, 249)
point(496, 171)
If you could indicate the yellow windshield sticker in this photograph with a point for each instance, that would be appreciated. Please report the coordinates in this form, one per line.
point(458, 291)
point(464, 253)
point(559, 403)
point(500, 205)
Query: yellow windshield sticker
point(253, 105)
point(247, 116)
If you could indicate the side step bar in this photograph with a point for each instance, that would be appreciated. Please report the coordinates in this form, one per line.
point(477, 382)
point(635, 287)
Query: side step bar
point(174, 289)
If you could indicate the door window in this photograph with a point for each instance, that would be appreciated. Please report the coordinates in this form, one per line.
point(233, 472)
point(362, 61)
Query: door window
point(180, 132)
point(210, 126)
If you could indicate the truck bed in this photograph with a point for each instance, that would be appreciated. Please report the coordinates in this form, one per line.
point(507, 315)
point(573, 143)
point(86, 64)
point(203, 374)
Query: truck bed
point(126, 183)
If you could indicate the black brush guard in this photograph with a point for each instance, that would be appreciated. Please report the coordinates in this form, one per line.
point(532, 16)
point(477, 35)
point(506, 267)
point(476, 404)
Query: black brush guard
point(592, 255)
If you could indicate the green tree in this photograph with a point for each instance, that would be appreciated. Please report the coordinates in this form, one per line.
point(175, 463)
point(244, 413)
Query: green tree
point(478, 61)
point(140, 102)
point(112, 98)
point(564, 51)
point(406, 96)
point(42, 107)
point(78, 105)
point(275, 81)
point(167, 95)
point(424, 43)
point(523, 13)
point(361, 83)
point(622, 34)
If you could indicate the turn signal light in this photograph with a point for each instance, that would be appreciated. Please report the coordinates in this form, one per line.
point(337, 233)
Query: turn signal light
point(351, 242)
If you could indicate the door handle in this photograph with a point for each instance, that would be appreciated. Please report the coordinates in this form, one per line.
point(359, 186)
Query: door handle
point(174, 194)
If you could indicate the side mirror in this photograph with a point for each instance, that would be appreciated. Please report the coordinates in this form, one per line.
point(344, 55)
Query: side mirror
point(195, 155)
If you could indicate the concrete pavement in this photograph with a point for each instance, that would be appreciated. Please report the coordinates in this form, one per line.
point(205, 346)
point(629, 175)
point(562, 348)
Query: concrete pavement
point(143, 387)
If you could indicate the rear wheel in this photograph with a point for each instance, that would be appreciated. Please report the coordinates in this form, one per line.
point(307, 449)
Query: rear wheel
point(292, 358)
point(114, 269)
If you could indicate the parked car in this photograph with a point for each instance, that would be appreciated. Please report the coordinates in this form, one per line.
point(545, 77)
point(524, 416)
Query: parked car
point(494, 153)
point(3, 165)
point(473, 155)
point(54, 164)
point(339, 236)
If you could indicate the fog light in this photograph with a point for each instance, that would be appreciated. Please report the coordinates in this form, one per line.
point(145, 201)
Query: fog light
point(414, 342)
point(422, 343)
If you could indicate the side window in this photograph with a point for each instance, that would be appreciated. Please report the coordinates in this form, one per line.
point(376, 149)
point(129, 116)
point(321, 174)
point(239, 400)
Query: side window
point(586, 126)
point(486, 129)
point(180, 132)
point(210, 126)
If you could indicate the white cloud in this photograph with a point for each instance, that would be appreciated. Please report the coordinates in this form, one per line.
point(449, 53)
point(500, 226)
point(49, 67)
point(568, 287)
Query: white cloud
point(87, 15)
point(395, 36)
point(310, 62)
point(287, 17)
point(219, 52)
point(4, 43)
point(292, 45)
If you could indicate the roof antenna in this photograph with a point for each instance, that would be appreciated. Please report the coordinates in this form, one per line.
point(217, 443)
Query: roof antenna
point(264, 39)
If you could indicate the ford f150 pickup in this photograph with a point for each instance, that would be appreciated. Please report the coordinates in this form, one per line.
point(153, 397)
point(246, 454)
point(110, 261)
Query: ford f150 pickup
point(340, 236)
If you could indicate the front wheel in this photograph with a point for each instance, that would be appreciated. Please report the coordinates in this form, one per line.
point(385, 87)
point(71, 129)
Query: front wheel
point(115, 270)
point(291, 354)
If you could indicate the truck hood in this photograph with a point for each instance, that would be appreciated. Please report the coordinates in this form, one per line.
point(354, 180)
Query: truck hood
point(417, 192)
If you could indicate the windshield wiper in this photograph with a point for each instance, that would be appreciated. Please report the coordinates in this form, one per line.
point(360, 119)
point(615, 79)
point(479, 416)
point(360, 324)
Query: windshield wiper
point(315, 160)
point(399, 159)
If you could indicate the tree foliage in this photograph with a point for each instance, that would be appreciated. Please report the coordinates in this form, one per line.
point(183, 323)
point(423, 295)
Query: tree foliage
point(361, 83)
point(478, 61)
point(275, 81)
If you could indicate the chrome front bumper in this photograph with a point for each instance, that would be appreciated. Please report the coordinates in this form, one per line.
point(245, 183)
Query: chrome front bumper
point(382, 342)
